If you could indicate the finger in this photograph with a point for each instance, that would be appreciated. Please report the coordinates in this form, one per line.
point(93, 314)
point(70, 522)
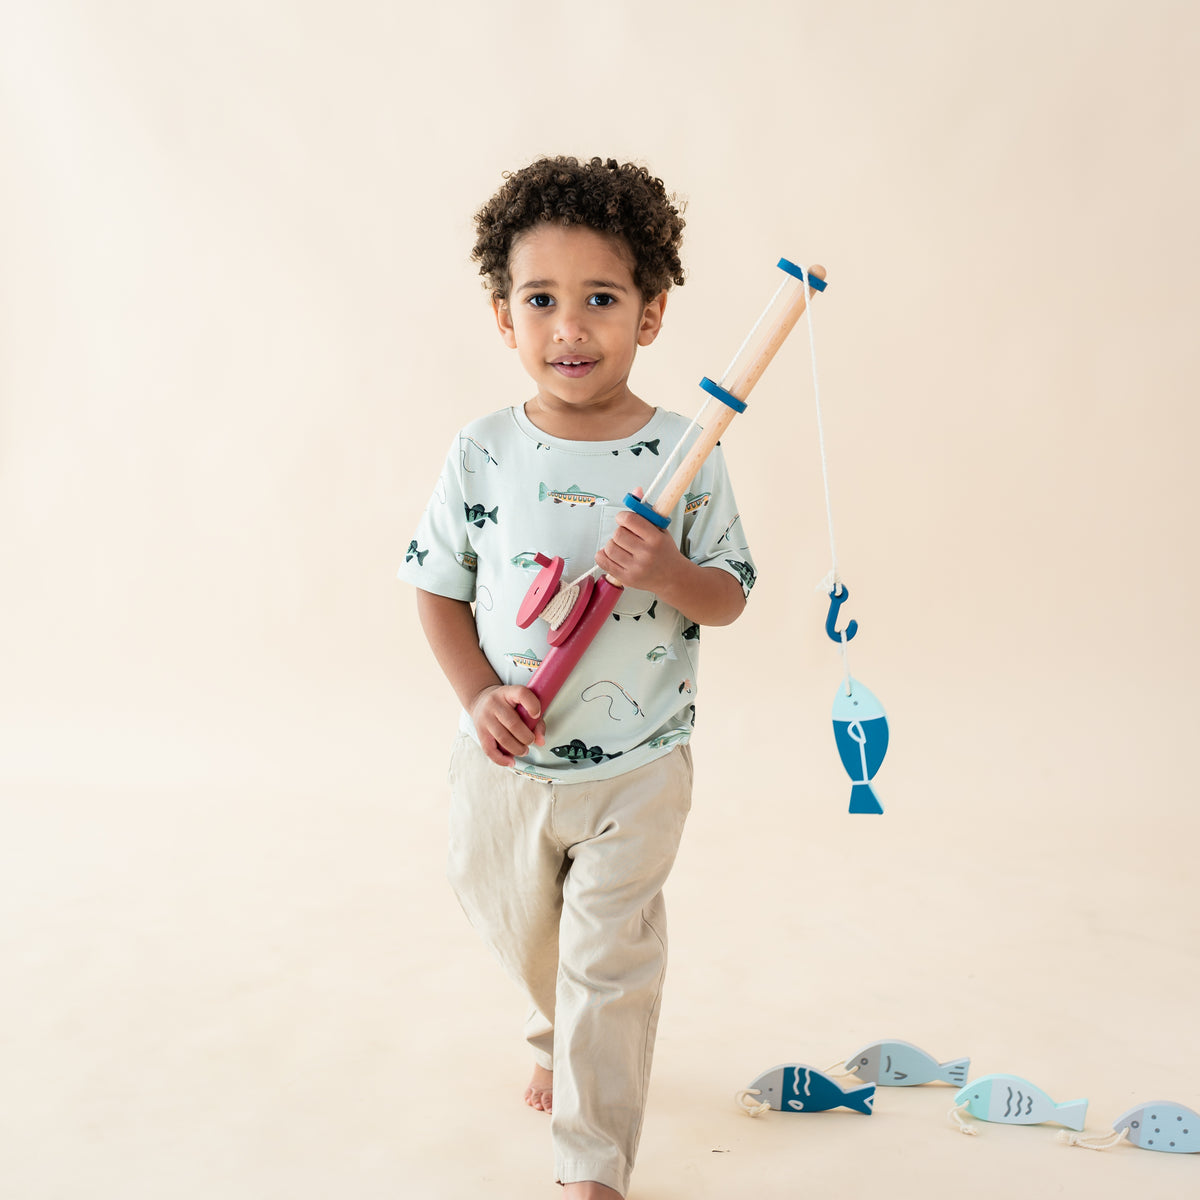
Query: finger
point(634, 524)
point(607, 563)
point(532, 704)
point(514, 735)
point(493, 751)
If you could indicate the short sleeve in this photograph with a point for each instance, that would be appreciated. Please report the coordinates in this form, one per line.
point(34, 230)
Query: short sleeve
point(713, 535)
point(441, 558)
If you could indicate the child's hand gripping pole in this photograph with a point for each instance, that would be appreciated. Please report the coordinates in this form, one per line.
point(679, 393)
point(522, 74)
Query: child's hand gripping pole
point(595, 603)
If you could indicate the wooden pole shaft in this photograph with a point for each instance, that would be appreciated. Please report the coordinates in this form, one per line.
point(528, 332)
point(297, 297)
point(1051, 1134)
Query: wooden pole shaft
point(740, 388)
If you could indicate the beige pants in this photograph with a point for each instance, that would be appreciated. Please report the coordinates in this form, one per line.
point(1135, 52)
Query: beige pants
point(564, 883)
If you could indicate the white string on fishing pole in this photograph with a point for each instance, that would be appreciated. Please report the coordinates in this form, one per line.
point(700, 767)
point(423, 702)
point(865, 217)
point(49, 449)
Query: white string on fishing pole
point(832, 583)
point(559, 606)
point(754, 330)
point(812, 347)
point(674, 452)
point(697, 419)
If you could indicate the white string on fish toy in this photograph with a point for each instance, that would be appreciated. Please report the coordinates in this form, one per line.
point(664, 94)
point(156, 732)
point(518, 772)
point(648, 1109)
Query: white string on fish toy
point(747, 1105)
point(963, 1127)
point(1104, 1142)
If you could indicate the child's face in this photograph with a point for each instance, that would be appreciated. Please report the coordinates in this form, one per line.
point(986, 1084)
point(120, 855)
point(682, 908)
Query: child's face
point(576, 319)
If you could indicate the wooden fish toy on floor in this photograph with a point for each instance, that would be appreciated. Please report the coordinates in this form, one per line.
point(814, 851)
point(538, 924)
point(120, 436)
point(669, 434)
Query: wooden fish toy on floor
point(901, 1064)
point(1162, 1125)
point(1009, 1100)
point(795, 1087)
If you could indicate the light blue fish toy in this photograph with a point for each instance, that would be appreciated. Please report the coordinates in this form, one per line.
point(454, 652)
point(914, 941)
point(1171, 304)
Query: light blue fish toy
point(1010, 1100)
point(1162, 1125)
point(901, 1064)
point(795, 1087)
point(860, 725)
point(860, 729)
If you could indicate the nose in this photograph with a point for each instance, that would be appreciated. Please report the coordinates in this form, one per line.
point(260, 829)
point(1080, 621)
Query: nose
point(571, 327)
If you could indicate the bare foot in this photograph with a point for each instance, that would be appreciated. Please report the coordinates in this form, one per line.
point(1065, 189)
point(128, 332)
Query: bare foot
point(590, 1191)
point(540, 1092)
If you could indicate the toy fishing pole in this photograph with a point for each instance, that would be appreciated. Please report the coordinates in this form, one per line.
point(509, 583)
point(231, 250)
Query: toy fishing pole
point(577, 612)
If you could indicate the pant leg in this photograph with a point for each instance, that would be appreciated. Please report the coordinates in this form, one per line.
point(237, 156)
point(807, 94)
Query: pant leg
point(622, 835)
point(507, 868)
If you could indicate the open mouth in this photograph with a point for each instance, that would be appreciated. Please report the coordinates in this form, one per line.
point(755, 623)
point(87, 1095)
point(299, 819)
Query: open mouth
point(573, 368)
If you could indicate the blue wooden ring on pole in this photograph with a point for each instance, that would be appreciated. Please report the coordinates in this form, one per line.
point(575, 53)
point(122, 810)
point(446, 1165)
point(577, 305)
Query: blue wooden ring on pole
point(818, 285)
point(715, 389)
point(644, 510)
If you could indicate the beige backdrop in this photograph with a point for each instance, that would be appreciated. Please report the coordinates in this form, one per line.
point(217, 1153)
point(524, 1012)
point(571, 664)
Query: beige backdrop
point(239, 326)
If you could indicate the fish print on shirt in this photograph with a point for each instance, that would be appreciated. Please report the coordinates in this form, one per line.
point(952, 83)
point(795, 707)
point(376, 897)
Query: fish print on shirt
point(468, 454)
point(638, 616)
point(661, 653)
point(526, 559)
point(729, 529)
point(412, 552)
point(574, 495)
point(577, 752)
point(477, 515)
point(670, 738)
point(615, 694)
point(745, 572)
point(693, 502)
point(638, 447)
point(526, 658)
point(468, 560)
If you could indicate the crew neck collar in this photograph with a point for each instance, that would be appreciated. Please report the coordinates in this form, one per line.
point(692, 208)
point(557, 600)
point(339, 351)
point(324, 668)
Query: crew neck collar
point(531, 431)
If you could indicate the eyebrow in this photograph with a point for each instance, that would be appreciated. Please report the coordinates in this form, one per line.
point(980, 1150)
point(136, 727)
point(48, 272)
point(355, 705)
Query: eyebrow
point(537, 284)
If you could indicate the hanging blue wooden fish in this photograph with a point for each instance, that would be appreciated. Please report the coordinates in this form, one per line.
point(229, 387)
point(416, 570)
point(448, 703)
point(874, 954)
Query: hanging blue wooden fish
point(901, 1064)
point(1163, 1125)
point(860, 725)
point(1010, 1100)
point(795, 1087)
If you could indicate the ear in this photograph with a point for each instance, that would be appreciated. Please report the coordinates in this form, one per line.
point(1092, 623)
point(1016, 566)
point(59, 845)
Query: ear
point(504, 322)
point(652, 318)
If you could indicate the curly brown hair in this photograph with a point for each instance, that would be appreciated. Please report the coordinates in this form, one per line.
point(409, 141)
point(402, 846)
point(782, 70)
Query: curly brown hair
point(620, 199)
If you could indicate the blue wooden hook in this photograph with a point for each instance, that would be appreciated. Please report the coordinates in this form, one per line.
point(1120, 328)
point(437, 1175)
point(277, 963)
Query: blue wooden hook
point(836, 600)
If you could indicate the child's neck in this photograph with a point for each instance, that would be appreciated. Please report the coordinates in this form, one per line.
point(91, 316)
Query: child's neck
point(609, 423)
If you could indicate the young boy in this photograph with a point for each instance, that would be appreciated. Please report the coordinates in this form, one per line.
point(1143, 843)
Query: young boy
point(562, 836)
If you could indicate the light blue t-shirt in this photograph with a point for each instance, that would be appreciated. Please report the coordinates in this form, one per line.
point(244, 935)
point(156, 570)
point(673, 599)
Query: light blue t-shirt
point(509, 491)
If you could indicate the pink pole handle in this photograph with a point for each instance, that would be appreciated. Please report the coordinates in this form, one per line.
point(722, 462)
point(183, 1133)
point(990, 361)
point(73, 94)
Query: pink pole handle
point(561, 660)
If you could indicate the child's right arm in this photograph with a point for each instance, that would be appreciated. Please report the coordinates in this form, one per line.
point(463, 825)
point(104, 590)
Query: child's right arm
point(449, 627)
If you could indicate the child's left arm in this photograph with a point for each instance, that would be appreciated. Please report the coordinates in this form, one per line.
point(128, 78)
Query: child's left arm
point(641, 555)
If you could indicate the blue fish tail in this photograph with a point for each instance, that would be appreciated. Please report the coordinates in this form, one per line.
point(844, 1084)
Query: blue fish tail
point(955, 1071)
point(1073, 1114)
point(864, 800)
point(862, 1099)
